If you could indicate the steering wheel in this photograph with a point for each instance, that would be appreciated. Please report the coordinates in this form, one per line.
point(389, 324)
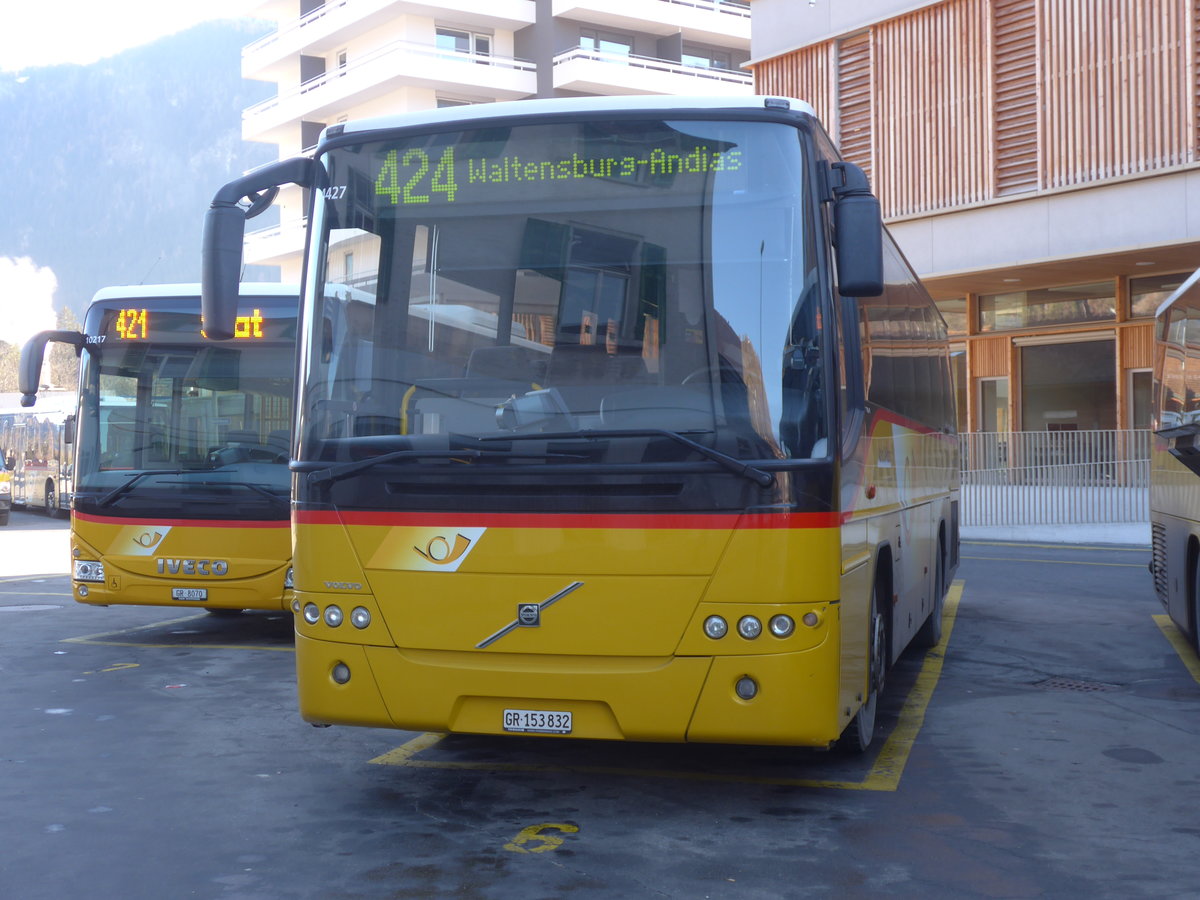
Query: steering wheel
point(717, 370)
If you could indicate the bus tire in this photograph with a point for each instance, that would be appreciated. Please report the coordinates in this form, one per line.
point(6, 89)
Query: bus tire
point(861, 731)
point(930, 633)
point(1195, 610)
point(51, 501)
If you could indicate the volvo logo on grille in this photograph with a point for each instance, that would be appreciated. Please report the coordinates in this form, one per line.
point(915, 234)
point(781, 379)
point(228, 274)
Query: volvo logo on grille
point(529, 615)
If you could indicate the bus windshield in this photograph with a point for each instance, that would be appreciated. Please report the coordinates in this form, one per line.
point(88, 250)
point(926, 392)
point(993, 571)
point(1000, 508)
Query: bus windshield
point(172, 425)
point(577, 281)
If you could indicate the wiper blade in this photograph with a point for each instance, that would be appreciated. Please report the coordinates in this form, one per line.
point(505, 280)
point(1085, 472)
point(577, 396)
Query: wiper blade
point(319, 473)
point(282, 502)
point(731, 463)
point(121, 489)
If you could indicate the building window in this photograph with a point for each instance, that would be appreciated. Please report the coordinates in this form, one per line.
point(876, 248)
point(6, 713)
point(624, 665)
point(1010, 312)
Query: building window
point(955, 314)
point(993, 404)
point(464, 41)
point(1048, 306)
point(606, 42)
point(1069, 387)
point(958, 379)
point(704, 58)
point(1140, 398)
point(1147, 294)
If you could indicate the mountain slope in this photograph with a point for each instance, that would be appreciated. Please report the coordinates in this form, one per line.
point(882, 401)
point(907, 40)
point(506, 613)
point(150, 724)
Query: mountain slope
point(112, 165)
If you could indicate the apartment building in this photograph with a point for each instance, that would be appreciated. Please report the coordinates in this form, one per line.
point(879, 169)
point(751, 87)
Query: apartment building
point(350, 59)
point(1036, 160)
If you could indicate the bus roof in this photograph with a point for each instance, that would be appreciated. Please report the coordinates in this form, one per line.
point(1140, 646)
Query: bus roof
point(667, 104)
point(144, 291)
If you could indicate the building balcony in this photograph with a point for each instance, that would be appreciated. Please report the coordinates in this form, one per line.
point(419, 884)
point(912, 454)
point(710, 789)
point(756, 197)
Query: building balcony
point(273, 245)
point(385, 70)
point(718, 22)
point(596, 72)
point(323, 31)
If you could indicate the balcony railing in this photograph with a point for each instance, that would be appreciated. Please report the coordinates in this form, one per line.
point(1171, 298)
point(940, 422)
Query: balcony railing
point(293, 26)
point(407, 49)
point(649, 64)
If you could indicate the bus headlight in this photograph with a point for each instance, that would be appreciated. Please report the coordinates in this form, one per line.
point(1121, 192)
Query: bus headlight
point(360, 617)
point(716, 627)
point(89, 570)
point(333, 616)
point(312, 613)
point(749, 627)
point(781, 626)
point(288, 581)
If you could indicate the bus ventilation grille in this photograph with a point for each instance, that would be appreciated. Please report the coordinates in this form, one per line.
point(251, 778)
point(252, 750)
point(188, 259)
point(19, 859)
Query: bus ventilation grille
point(1158, 540)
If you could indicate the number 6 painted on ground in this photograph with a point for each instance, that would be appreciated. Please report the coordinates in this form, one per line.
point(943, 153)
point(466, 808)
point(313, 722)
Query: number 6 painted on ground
point(534, 833)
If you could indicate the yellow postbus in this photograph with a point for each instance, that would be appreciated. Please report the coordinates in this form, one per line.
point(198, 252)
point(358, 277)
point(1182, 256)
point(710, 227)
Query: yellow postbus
point(1175, 459)
point(182, 485)
point(629, 422)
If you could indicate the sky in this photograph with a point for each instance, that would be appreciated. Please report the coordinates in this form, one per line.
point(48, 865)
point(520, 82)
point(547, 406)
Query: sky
point(37, 33)
point(52, 32)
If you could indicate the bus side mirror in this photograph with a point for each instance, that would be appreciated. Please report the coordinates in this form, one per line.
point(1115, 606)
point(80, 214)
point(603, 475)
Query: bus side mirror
point(69, 430)
point(29, 375)
point(225, 231)
point(858, 233)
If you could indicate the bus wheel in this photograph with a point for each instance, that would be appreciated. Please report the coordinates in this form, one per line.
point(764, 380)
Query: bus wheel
point(1196, 610)
point(51, 502)
point(930, 633)
point(861, 731)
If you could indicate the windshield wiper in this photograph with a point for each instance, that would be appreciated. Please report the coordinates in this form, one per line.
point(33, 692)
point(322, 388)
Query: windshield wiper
point(731, 463)
point(319, 473)
point(119, 490)
point(282, 502)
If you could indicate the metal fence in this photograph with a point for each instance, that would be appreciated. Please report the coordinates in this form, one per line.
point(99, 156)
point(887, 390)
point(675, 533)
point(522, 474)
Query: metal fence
point(1055, 477)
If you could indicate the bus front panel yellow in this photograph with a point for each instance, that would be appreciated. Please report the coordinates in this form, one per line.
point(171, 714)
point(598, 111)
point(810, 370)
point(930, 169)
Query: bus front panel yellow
point(179, 562)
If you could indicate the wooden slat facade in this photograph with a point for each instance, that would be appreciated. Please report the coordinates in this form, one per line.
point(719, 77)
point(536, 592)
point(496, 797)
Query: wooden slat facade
point(964, 101)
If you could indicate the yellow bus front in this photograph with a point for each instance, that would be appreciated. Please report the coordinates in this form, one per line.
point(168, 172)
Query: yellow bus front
point(212, 564)
point(657, 628)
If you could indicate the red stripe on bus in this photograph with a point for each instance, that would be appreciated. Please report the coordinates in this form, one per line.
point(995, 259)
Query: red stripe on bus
point(680, 521)
point(186, 523)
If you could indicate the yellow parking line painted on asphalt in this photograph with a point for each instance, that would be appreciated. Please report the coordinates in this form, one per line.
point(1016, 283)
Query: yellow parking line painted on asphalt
point(884, 774)
point(13, 579)
point(1057, 562)
point(1101, 549)
point(101, 638)
point(36, 594)
point(1179, 641)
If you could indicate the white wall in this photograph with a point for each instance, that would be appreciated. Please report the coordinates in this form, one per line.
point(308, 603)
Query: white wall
point(778, 26)
point(1143, 212)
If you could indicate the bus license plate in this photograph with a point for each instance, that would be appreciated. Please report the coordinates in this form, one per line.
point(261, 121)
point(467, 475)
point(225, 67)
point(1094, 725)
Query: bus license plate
point(189, 593)
point(537, 720)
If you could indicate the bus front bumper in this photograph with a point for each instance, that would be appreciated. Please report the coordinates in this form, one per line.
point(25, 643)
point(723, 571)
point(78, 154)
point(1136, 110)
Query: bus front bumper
point(672, 699)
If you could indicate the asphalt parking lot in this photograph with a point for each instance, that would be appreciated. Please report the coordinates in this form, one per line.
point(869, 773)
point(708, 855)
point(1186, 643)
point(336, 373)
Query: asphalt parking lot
point(1049, 750)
